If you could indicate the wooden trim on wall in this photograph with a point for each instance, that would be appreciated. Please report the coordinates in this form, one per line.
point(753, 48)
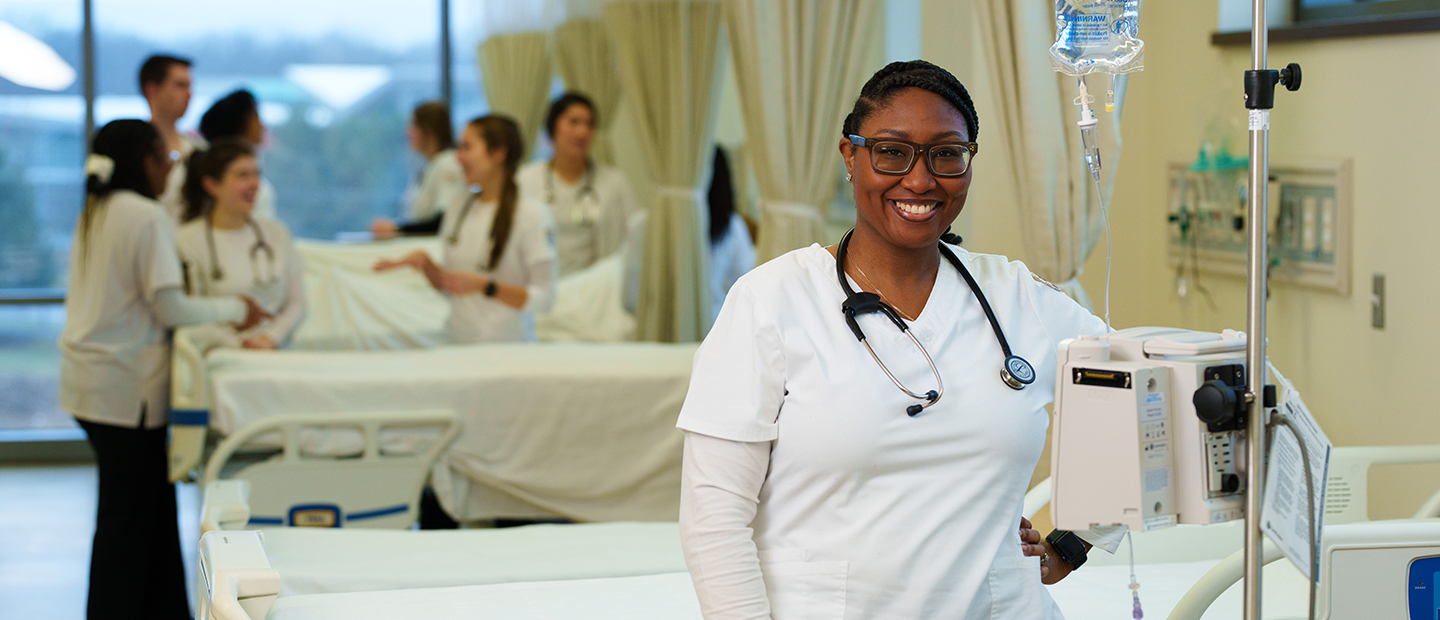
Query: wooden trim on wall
point(1415, 22)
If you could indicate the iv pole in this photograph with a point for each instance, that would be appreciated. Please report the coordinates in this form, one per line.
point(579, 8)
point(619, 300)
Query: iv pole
point(1259, 98)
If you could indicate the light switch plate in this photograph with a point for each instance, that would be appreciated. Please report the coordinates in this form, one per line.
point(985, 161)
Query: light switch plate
point(1377, 302)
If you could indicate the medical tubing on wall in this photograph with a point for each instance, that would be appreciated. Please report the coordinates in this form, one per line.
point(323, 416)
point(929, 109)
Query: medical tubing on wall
point(1278, 419)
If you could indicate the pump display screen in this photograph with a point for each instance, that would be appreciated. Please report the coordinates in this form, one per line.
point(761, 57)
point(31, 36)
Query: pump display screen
point(1424, 593)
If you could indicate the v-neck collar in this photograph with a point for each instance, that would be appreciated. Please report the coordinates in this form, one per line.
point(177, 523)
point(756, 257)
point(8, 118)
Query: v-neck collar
point(925, 326)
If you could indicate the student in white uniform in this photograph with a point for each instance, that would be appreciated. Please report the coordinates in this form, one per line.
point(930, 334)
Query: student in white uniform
point(813, 486)
point(732, 253)
point(124, 293)
point(237, 115)
point(499, 257)
point(591, 202)
point(165, 84)
point(227, 252)
point(441, 183)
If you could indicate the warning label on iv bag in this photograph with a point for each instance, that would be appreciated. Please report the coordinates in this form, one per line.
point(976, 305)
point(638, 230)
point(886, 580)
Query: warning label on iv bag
point(1285, 515)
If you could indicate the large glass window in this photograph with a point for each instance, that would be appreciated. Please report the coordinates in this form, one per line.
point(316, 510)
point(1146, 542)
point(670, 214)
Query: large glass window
point(42, 126)
point(336, 80)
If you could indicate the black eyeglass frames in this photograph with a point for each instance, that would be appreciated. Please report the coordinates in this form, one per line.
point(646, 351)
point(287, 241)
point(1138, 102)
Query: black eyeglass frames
point(892, 156)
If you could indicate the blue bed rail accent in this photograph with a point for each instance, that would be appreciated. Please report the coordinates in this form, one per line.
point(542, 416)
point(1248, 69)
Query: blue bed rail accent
point(190, 417)
point(380, 512)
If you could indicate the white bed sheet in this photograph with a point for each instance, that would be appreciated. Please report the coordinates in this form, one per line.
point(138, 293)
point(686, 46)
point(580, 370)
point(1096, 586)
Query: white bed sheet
point(1099, 595)
point(317, 561)
point(584, 431)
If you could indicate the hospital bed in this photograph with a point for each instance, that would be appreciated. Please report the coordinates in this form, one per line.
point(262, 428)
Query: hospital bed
point(1172, 564)
point(575, 430)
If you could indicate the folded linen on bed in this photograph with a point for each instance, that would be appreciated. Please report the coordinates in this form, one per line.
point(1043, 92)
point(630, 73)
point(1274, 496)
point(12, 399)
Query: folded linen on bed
point(319, 560)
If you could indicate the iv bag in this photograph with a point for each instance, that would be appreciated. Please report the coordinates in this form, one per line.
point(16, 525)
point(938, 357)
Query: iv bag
point(1097, 36)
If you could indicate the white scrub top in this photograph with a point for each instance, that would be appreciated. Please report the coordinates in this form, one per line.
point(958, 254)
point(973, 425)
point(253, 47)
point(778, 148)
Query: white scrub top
point(867, 512)
point(441, 184)
point(275, 279)
point(528, 260)
point(591, 215)
point(171, 198)
point(265, 201)
point(115, 354)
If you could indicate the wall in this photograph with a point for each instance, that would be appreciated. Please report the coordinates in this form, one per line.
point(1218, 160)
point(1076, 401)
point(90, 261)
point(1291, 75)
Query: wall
point(1372, 100)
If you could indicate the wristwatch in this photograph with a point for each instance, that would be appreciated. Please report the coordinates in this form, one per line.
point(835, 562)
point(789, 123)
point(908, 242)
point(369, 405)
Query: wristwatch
point(490, 289)
point(1067, 547)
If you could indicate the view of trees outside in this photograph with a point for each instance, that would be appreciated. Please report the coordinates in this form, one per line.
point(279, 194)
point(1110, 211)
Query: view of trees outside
point(336, 79)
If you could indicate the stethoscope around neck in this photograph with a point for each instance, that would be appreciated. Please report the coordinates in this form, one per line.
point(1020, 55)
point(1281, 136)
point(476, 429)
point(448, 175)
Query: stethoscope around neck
point(579, 215)
point(217, 272)
point(1015, 372)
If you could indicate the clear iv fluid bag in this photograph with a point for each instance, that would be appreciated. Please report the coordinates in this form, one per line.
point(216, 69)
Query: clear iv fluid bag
point(1097, 36)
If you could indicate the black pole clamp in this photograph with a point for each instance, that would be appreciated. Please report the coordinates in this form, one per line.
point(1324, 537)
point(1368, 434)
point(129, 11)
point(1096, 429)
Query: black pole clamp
point(1260, 85)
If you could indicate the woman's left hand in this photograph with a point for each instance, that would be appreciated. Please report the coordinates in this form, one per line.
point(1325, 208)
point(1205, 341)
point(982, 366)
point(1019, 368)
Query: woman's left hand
point(259, 342)
point(459, 283)
point(1052, 568)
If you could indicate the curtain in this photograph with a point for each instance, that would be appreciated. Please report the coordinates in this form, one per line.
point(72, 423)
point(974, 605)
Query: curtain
point(799, 65)
point(586, 63)
point(668, 54)
point(515, 67)
point(1034, 116)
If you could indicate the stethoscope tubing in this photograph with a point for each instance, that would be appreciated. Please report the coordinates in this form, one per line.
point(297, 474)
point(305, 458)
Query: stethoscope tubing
point(217, 272)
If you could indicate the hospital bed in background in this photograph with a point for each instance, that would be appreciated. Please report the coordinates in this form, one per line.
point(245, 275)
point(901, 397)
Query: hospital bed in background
point(579, 431)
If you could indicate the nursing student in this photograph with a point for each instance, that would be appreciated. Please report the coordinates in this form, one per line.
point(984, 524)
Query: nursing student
point(816, 486)
point(591, 202)
point(442, 182)
point(165, 84)
point(125, 292)
point(498, 266)
point(237, 116)
point(227, 251)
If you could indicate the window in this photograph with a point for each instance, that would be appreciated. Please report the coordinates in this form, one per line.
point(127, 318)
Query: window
point(336, 80)
point(42, 151)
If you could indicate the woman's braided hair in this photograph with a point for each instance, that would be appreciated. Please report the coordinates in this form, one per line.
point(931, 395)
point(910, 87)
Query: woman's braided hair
point(898, 76)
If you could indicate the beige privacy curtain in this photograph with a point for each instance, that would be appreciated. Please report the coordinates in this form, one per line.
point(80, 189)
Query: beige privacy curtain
point(799, 65)
point(1035, 115)
point(586, 63)
point(515, 67)
point(668, 53)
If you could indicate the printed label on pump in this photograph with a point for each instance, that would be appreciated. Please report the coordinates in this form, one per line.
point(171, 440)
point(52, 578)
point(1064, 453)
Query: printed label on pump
point(1259, 120)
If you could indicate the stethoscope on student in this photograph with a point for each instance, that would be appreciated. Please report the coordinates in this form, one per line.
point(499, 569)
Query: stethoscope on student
point(587, 201)
point(217, 273)
point(1015, 372)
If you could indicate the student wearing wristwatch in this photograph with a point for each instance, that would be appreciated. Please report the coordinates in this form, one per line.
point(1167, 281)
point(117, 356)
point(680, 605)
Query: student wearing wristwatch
point(499, 263)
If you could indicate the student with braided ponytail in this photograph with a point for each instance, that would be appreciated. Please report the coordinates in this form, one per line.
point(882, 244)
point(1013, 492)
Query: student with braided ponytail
point(499, 265)
point(913, 377)
point(124, 294)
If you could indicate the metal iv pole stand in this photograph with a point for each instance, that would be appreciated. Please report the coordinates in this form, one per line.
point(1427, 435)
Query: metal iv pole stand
point(1258, 220)
point(1259, 98)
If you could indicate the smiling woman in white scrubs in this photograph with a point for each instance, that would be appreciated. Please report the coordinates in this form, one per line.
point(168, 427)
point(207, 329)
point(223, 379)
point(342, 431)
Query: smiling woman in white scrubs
point(813, 486)
point(499, 261)
point(124, 293)
point(591, 202)
point(227, 252)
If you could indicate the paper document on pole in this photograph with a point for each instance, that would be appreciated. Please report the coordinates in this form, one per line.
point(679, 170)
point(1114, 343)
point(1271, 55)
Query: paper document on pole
point(1284, 503)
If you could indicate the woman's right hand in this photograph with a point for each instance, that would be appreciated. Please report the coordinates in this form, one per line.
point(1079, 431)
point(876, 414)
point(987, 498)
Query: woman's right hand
point(254, 314)
point(415, 260)
point(384, 228)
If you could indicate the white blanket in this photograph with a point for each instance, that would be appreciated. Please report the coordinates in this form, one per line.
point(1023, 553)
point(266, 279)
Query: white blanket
point(323, 560)
point(585, 431)
point(350, 307)
point(1099, 595)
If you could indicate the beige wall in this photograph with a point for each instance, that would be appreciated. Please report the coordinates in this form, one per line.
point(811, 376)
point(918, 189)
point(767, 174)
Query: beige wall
point(1373, 100)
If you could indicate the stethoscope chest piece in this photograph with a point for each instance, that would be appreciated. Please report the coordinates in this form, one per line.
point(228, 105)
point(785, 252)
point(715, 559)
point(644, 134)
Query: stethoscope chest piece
point(1017, 373)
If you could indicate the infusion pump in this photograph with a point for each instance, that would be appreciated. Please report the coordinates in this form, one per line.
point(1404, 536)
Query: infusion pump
point(1149, 429)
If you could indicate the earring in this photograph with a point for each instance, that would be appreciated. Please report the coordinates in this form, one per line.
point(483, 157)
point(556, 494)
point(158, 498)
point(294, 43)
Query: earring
point(848, 178)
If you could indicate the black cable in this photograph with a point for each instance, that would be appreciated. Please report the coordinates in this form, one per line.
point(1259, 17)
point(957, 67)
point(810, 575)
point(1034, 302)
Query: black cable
point(1280, 419)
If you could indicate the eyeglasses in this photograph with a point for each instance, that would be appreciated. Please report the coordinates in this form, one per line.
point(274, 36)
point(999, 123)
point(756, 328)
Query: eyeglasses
point(943, 159)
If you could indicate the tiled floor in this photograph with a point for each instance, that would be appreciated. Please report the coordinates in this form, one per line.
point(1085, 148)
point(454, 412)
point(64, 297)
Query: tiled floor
point(47, 516)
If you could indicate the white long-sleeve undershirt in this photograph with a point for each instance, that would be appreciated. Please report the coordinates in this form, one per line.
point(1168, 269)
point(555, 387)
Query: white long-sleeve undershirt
point(176, 309)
